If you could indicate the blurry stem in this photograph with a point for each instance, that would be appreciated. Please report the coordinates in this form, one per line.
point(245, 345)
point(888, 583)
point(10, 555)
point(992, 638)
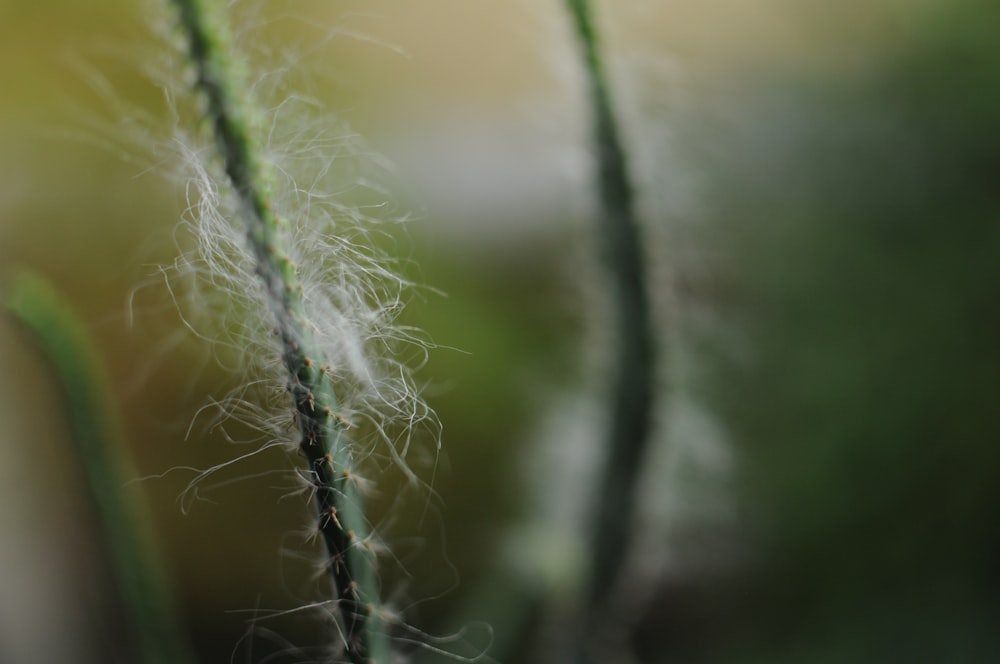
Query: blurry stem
point(122, 510)
point(633, 387)
point(341, 519)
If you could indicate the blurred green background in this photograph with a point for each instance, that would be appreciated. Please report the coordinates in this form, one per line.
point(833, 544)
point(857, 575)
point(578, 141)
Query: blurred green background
point(819, 186)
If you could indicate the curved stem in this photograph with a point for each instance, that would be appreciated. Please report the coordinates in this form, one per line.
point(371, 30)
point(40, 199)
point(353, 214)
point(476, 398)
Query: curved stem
point(341, 517)
point(122, 510)
point(631, 416)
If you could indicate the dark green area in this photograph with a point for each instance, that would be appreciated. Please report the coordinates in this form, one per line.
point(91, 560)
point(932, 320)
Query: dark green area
point(860, 226)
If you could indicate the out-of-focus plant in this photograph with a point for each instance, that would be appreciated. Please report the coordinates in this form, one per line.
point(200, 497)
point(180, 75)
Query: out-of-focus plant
point(132, 549)
point(630, 399)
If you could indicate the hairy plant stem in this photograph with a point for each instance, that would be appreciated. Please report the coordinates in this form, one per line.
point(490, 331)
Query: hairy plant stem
point(323, 443)
point(131, 548)
point(631, 415)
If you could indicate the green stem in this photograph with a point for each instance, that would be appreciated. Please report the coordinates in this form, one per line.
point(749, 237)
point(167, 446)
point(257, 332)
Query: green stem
point(341, 517)
point(37, 306)
point(631, 416)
